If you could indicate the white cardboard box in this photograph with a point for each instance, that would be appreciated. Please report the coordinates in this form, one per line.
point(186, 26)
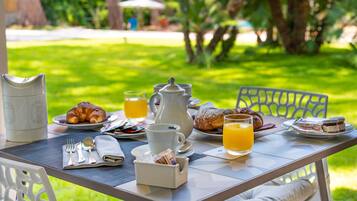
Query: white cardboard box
point(167, 176)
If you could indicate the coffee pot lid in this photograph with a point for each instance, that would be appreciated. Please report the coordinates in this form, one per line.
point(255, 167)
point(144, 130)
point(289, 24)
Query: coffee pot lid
point(172, 86)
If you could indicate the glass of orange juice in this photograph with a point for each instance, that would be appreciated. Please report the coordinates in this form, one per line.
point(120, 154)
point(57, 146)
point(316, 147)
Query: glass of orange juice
point(135, 106)
point(238, 134)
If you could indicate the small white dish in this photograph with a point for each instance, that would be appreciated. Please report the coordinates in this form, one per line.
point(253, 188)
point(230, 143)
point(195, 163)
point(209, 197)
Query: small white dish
point(143, 152)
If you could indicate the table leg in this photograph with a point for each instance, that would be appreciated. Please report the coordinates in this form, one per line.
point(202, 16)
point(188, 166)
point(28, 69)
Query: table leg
point(321, 178)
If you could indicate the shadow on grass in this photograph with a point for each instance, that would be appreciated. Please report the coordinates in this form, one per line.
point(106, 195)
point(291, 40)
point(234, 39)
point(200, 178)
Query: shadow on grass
point(344, 194)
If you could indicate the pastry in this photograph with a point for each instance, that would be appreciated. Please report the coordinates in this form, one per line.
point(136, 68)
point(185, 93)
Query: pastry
point(85, 112)
point(334, 125)
point(213, 118)
point(166, 157)
point(330, 125)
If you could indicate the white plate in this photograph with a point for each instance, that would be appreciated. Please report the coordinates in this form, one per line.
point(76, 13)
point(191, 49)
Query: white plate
point(193, 102)
point(208, 134)
point(61, 120)
point(290, 122)
point(143, 151)
point(125, 135)
point(315, 134)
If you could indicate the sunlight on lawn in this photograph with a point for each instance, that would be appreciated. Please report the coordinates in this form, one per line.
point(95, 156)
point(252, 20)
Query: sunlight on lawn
point(100, 70)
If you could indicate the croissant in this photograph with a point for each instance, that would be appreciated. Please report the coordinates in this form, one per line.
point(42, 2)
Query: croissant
point(212, 118)
point(85, 112)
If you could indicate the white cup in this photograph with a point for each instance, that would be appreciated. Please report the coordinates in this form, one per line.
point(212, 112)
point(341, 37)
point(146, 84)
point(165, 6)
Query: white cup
point(164, 136)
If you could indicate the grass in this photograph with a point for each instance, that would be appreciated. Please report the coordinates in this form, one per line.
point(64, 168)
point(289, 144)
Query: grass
point(100, 70)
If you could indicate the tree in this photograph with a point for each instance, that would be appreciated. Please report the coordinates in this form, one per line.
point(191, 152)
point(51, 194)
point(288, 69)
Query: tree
point(258, 14)
point(31, 13)
point(308, 24)
point(115, 15)
point(291, 28)
point(201, 16)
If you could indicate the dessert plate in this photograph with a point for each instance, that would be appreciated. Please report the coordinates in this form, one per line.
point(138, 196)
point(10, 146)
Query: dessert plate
point(315, 134)
point(143, 151)
point(290, 122)
point(61, 120)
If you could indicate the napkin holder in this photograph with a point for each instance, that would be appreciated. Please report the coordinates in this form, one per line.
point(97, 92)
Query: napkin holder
point(167, 176)
point(25, 108)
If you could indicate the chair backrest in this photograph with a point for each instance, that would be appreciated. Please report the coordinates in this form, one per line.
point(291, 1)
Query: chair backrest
point(25, 181)
point(282, 102)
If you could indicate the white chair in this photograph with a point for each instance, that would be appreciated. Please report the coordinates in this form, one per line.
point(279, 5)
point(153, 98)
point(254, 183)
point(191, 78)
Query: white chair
point(287, 104)
point(21, 181)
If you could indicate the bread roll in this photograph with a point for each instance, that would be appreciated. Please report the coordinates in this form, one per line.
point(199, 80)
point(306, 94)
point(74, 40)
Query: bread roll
point(208, 119)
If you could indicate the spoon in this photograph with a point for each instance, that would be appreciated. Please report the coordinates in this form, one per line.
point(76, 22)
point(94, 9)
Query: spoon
point(88, 145)
point(185, 147)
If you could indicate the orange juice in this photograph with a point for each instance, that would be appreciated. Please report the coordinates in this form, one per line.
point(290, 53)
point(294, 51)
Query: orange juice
point(238, 136)
point(135, 108)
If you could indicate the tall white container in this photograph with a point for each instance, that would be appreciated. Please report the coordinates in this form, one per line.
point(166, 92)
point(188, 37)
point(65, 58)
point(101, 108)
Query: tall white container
point(25, 108)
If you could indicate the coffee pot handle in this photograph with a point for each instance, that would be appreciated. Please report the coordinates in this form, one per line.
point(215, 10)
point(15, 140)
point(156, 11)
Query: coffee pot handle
point(152, 101)
point(181, 139)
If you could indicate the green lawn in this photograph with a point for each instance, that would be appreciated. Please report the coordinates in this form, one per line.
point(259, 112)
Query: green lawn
point(100, 70)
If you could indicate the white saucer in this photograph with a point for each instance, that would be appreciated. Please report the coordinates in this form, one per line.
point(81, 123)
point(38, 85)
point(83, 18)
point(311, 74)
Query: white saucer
point(143, 151)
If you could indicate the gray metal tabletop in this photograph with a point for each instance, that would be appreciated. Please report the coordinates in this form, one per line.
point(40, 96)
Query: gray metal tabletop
point(275, 153)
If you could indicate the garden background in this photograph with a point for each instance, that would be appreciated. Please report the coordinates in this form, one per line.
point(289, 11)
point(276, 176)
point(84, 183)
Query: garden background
point(301, 45)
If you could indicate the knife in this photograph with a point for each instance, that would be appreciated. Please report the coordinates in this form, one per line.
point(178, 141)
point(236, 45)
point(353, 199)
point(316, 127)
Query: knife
point(81, 158)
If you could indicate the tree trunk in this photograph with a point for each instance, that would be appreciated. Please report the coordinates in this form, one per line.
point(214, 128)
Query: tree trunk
point(317, 31)
point(188, 46)
point(154, 17)
point(199, 42)
point(259, 39)
point(233, 8)
point(217, 37)
point(115, 15)
point(31, 13)
point(282, 26)
point(301, 13)
point(228, 44)
point(293, 29)
point(184, 6)
point(270, 33)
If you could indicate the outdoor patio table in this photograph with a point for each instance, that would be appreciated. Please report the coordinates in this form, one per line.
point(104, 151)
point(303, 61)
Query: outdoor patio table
point(275, 153)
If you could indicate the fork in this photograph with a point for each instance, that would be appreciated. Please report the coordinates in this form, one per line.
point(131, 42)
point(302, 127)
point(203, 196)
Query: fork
point(70, 148)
